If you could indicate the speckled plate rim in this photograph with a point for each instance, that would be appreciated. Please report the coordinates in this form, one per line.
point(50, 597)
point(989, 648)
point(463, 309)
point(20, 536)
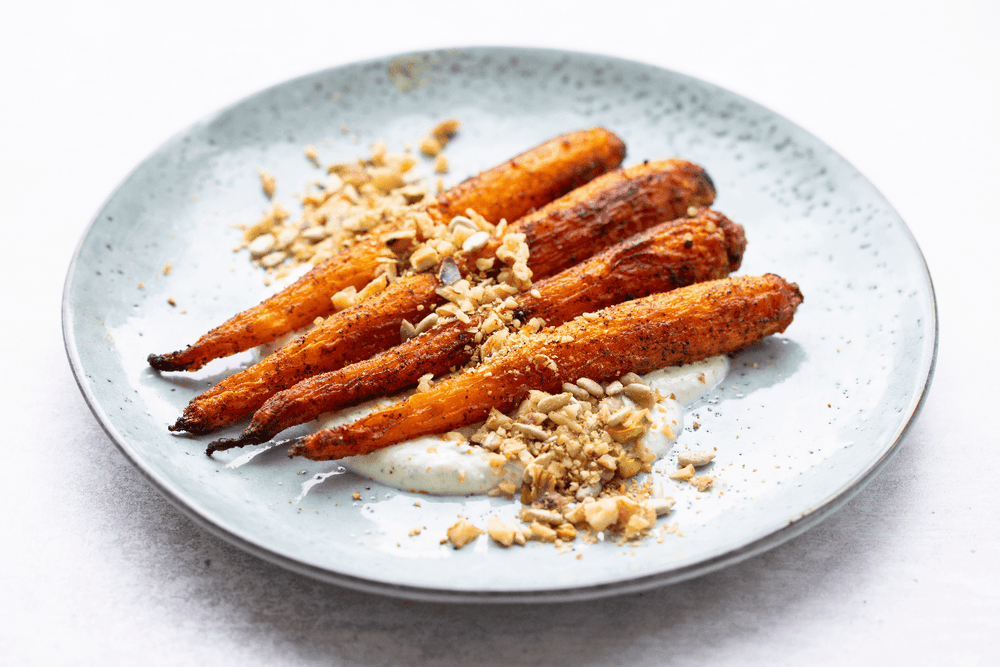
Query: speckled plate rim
point(556, 594)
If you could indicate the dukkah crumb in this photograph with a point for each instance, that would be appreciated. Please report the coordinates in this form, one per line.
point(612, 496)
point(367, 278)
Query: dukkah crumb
point(685, 473)
point(703, 483)
point(463, 532)
point(697, 459)
point(433, 143)
point(268, 183)
point(502, 532)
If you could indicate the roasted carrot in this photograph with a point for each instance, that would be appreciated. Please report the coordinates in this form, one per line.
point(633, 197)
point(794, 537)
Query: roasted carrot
point(508, 191)
point(665, 329)
point(589, 219)
point(673, 254)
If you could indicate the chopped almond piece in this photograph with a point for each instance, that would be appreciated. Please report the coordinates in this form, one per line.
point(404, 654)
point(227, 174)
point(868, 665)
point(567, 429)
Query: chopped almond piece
point(697, 459)
point(543, 532)
point(601, 514)
point(685, 473)
point(463, 532)
point(267, 182)
point(703, 483)
point(502, 532)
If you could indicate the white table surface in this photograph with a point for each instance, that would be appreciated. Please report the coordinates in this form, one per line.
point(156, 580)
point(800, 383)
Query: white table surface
point(98, 568)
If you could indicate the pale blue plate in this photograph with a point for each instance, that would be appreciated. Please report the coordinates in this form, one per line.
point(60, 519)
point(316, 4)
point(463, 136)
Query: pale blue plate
point(800, 425)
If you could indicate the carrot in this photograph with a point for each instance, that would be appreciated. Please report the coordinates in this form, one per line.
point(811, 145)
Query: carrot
point(660, 330)
point(508, 191)
point(673, 254)
point(570, 229)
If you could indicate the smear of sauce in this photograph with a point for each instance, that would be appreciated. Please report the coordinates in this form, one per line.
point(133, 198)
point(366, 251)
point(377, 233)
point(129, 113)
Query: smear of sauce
point(437, 466)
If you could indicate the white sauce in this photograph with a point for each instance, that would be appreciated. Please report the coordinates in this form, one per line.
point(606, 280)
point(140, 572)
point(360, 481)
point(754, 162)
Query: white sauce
point(433, 465)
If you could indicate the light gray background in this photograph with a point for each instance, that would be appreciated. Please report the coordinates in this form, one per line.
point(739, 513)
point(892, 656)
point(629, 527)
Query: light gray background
point(99, 569)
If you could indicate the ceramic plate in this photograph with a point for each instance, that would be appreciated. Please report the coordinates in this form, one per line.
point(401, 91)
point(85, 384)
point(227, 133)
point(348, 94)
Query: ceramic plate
point(799, 425)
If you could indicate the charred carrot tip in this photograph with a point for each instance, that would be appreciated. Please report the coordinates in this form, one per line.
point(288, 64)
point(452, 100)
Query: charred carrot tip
point(162, 362)
point(185, 424)
point(241, 440)
point(220, 446)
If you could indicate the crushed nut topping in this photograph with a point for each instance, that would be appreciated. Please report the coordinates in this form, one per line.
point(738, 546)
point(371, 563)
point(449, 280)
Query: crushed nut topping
point(354, 200)
point(581, 450)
